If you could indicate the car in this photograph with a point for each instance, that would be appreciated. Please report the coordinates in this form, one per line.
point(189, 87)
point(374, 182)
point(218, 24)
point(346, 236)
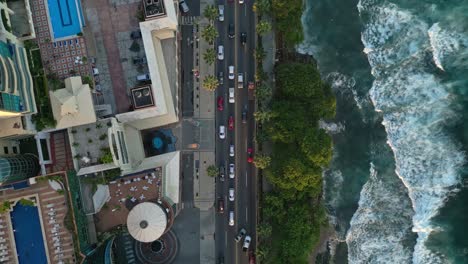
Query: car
point(241, 2)
point(221, 173)
point(135, 34)
point(231, 218)
point(231, 194)
point(231, 123)
point(222, 132)
point(220, 205)
point(251, 85)
point(221, 77)
point(220, 103)
point(244, 116)
point(220, 52)
point(251, 257)
point(249, 155)
point(243, 38)
point(231, 171)
point(231, 150)
point(240, 235)
point(240, 80)
point(139, 60)
point(231, 32)
point(143, 77)
point(231, 95)
point(231, 72)
point(221, 13)
point(183, 7)
point(246, 245)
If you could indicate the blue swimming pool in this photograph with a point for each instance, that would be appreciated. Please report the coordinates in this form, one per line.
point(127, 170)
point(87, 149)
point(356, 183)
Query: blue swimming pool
point(28, 234)
point(66, 17)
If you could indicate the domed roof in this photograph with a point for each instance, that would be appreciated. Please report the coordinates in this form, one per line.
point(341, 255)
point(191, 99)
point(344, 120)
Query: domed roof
point(146, 222)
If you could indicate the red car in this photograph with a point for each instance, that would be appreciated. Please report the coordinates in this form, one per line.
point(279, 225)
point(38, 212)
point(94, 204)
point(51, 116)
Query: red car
point(231, 123)
point(251, 257)
point(249, 155)
point(220, 103)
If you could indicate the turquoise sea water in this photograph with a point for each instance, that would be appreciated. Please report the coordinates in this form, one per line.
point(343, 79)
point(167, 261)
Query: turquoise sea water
point(396, 188)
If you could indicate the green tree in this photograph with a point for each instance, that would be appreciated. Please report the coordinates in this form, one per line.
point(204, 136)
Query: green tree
point(260, 75)
point(264, 116)
point(262, 161)
point(106, 156)
point(212, 171)
point(259, 53)
point(5, 206)
point(262, 6)
point(263, 27)
point(209, 56)
point(317, 146)
point(26, 202)
point(287, 18)
point(211, 13)
point(263, 92)
point(264, 230)
point(209, 33)
point(261, 136)
point(210, 83)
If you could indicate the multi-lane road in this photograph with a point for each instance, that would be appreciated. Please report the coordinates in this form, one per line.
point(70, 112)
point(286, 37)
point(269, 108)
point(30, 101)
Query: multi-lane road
point(244, 206)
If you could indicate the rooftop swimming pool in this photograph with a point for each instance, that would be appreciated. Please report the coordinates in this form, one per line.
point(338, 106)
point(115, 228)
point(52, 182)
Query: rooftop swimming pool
point(66, 17)
point(28, 234)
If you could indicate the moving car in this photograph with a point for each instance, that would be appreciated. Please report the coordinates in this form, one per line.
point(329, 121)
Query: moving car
point(231, 170)
point(220, 103)
point(231, 95)
point(222, 132)
point(231, 194)
point(221, 77)
point(221, 13)
point(220, 52)
point(220, 205)
point(231, 218)
point(231, 150)
point(183, 6)
point(231, 123)
point(249, 155)
point(251, 85)
point(231, 72)
point(246, 243)
point(221, 173)
point(244, 116)
point(231, 30)
point(251, 257)
point(240, 80)
point(240, 235)
point(241, 2)
point(243, 38)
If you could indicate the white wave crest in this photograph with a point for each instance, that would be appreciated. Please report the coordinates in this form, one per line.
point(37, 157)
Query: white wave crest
point(444, 43)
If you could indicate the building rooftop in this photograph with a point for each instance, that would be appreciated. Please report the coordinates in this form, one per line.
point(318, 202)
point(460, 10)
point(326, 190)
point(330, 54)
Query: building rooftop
point(154, 8)
point(142, 97)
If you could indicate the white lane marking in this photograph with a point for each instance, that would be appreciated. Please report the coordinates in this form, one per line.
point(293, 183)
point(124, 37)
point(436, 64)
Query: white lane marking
point(225, 238)
point(246, 215)
point(246, 179)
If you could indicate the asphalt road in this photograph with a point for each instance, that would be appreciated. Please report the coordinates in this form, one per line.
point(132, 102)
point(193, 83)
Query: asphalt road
point(244, 183)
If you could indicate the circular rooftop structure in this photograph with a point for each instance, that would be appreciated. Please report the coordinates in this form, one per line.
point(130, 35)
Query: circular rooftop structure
point(146, 222)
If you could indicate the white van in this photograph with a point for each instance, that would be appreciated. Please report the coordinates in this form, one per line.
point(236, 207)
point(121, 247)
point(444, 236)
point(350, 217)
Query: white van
point(143, 77)
point(231, 95)
point(221, 13)
point(220, 52)
point(231, 218)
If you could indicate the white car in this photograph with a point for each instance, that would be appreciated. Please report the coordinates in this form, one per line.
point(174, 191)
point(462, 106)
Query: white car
point(231, 150)
point(222, 132)
point(231, 218)
point(231, 72)
point(231, 95)
point(220, 52)
point(246, 243)
point(231, 171)
point(221, 13)
point(231, 194)
point(241, 1)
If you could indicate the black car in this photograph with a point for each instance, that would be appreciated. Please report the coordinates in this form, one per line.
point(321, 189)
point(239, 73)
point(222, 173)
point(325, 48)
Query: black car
point(221, 173)
point(221, 77)
point(139, 60)
point(231, 31)
point(244, 116)
point(243, 38)
point(135, 34)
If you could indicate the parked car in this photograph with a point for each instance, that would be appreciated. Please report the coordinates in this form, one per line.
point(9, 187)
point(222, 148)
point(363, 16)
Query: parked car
point(231, 95)
point(240, 80)
point(231, 123)
point(240, 235)
point(220, 103)
point(220, 52)
point(251, 85)
point(244, 116)
point(231, 72)
point(183, 6)
point(143, 77)
point(241, 2)
point(243, 38)
point(251, 257)
point(220, 205)
point(135, 34)
point(231, 171)
point(231, 194)
point(249, 155)
point(222, 132)
point(231, 218)
point(231, 32)
point(221, 77)
point(231, 150)
point(139, 60)
point(221, 173)
point(221, 13)
point(246, 245)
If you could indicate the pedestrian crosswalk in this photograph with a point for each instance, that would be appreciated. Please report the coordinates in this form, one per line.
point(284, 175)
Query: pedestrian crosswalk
point(188, 20)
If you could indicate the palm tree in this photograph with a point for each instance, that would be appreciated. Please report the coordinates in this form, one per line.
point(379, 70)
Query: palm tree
point(209, 33)
point(210, 83)
point(263, 27)
point(212, 171)
point(209, 56)
point(211, 13)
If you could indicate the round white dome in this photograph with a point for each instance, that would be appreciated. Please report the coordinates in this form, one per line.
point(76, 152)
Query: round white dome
point(146, 222)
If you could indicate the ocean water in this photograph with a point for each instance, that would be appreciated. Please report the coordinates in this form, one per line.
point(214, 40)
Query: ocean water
point(397, 189)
